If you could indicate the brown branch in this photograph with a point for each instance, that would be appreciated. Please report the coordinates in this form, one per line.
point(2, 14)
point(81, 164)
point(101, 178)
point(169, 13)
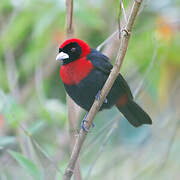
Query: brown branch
point(73, 109)
point(112, 42)
point(125, 35)
point(69, 19)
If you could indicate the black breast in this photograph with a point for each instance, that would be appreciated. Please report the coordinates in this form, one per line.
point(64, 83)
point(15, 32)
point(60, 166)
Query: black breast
point(84, 93)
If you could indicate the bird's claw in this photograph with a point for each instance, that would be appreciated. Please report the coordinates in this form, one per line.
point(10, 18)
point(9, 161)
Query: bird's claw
point(83, 126)
point(97, 97)
point(105, 101)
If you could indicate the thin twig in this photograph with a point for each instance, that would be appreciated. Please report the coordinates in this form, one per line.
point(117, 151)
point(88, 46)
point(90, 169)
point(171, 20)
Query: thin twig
point(113, 39)
point(119, 20)
point(123, 10)
point(107, 40)
point(113, 35)
point(112, 45)
point(125, 35)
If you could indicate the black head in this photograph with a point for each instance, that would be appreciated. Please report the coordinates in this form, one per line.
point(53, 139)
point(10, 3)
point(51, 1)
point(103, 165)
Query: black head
point(69, 53)
point(72, 49)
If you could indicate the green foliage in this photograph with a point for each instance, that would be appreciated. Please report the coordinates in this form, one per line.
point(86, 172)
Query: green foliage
point(5, 7)
point(3, 77)
point(17, 34)
point(13, 112)
point(26, 164)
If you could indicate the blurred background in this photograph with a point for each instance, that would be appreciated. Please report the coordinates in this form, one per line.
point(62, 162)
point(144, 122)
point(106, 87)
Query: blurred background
point(34, 133)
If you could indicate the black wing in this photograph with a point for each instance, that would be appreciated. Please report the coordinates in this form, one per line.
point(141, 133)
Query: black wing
point(101, 62)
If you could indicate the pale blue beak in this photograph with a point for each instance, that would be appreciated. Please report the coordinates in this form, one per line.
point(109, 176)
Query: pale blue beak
point(61, 56)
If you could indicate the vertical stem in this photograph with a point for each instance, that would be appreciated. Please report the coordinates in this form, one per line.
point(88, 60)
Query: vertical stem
point(69, 19)
point(73, 117)
point(73, 109)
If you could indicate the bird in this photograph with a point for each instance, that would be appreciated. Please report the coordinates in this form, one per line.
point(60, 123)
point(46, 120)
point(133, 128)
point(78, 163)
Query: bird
point(84, 71)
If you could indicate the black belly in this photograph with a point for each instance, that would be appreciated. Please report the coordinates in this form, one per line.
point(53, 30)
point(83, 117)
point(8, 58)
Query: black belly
point(84, 93)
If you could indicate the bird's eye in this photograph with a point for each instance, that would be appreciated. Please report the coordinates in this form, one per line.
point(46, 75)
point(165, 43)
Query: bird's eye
point(73, 49)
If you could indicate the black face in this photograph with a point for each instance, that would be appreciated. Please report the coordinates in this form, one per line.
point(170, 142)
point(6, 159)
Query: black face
point(73, 50)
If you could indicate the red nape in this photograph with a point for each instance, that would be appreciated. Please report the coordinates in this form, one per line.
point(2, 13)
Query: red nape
point(75, 71)
point(84, 46)
point(122, 101)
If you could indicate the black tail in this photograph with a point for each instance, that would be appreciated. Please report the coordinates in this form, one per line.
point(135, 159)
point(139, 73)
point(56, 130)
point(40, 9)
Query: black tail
point(135, 114)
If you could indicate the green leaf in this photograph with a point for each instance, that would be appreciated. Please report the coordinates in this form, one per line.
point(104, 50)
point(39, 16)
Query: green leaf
point(26, 164)
point(12, 111)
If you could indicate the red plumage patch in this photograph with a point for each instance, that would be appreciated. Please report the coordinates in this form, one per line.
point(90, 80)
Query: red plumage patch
point(84, 46)
point(122, 101)
point(75, 71)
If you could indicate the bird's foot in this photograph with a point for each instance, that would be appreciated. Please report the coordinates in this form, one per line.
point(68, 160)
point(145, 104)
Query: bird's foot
point(84, 121)
point(97, 97)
